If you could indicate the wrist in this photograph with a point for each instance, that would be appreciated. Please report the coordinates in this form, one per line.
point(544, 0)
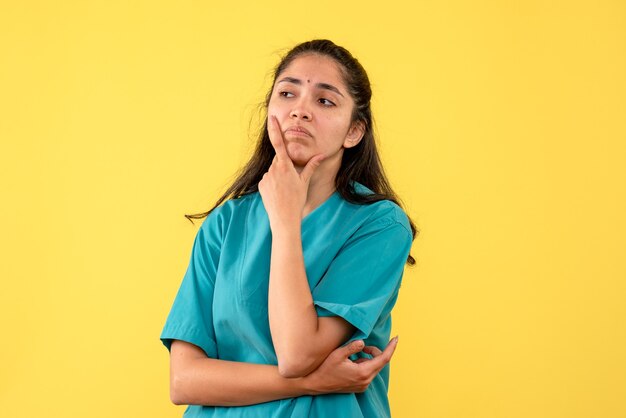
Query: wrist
point(308, 385)
point(286, 230)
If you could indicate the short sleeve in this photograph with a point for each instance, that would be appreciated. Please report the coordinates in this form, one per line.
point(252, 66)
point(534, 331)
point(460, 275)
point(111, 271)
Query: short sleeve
point(363, 280)
point(190, 318)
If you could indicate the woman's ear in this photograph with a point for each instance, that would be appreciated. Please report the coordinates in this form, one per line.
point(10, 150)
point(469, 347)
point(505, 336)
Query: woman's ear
point(355, 134)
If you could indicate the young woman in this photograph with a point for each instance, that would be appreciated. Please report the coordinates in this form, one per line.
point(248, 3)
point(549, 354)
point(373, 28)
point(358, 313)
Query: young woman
point(292, 280)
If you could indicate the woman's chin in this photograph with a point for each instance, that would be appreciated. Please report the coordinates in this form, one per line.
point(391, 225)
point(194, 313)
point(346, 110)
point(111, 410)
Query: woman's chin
point(299, 156)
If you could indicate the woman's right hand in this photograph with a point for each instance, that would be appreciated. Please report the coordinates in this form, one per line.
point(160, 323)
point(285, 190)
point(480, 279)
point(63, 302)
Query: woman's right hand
point(339, 374)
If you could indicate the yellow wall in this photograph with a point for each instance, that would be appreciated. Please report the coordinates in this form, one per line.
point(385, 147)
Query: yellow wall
point(501, 126)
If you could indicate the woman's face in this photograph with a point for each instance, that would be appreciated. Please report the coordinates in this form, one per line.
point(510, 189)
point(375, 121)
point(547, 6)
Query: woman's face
point(310, 94)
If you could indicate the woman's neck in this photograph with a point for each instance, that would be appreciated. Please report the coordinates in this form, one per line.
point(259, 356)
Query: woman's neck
point(322, 184)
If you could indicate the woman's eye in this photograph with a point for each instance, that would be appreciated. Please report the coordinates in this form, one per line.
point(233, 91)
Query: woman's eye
point(329, 102)
point(283, 93)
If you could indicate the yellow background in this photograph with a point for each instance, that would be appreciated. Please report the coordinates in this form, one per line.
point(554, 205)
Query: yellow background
point(501, 125)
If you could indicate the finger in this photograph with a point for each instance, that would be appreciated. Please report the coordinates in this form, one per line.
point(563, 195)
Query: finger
point(273, 164)
point(352, 348)
point(372, 350)
point(276, 138)
point(310, 167)
point(381, 360)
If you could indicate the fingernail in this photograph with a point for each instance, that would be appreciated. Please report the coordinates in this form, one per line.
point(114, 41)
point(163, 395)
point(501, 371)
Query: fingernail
point(396, 338)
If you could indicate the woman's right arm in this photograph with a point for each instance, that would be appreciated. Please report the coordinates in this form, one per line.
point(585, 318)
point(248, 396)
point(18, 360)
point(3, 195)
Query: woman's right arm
point(196, 379)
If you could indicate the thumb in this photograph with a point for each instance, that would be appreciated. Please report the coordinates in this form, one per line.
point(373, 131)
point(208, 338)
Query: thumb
point(354, 347)
point(310, 167)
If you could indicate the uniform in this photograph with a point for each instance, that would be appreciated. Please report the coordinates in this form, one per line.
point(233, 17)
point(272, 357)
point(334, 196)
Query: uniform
point(354, 257)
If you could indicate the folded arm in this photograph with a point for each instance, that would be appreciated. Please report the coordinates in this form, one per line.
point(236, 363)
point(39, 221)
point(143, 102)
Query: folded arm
point(196, 379)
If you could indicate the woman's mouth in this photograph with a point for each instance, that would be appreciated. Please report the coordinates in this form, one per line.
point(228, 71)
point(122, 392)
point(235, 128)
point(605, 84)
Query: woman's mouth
point(298, 131)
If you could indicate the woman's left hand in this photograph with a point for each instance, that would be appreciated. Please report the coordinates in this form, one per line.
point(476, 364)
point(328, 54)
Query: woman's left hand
point(282, 188)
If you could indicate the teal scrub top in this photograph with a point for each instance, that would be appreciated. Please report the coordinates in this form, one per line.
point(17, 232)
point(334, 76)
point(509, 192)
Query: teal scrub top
point(354, 257)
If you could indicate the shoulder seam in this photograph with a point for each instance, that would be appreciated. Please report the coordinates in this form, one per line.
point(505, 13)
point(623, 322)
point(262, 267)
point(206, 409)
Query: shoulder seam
point(392, 215)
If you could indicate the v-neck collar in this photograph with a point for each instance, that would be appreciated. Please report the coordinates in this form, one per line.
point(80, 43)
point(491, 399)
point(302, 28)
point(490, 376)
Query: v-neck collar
point(326, 202)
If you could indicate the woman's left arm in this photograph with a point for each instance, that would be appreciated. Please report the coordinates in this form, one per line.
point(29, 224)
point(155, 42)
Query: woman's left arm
point(301, 340)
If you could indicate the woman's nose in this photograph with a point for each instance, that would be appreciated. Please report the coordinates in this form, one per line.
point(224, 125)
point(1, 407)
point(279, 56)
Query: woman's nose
point(300, 111)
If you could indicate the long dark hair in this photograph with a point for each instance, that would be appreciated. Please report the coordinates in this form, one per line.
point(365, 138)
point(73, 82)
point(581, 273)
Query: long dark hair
point(360, 163)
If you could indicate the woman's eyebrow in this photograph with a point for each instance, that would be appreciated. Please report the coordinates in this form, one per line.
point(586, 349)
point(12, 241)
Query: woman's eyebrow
point(318, 85)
